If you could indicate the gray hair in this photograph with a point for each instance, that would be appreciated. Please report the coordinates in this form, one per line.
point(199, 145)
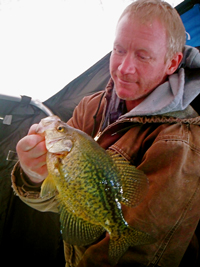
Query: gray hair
point(149, 10)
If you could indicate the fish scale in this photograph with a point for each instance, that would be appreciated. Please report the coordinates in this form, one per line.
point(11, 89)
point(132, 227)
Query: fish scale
point(90, 171)
point(95, 203)
point(91, 184)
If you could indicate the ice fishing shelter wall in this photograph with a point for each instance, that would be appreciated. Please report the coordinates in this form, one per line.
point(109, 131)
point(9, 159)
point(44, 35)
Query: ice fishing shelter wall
point(28, 237)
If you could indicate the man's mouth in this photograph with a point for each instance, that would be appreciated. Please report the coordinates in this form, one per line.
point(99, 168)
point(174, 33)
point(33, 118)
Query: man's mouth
point(125, 81)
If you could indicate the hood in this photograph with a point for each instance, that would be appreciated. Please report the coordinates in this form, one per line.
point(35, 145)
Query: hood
point(177, 92)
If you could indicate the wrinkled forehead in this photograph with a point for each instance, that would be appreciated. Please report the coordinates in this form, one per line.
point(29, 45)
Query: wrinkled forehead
point(133, 27)
point(143, 19)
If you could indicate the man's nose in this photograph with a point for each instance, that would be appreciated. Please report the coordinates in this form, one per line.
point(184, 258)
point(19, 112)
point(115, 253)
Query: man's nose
point(127, 65)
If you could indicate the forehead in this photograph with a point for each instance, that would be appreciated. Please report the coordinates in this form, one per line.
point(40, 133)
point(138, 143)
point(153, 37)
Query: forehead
point(134, 30)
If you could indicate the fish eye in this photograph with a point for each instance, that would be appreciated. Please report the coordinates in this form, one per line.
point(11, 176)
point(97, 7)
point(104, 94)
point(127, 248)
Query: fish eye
point(60, 129)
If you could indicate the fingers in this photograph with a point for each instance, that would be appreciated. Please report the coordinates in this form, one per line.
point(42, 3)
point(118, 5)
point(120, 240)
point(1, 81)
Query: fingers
point(30, 142)
point(32, 151)
point(35, 171)
point(33, 129)
point(96, 255)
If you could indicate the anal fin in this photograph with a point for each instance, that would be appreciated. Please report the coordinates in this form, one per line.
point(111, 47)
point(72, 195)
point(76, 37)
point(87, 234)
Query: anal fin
point(77, 231)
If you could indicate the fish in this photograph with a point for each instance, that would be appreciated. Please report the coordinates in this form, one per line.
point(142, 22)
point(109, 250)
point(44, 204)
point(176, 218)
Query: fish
point(91, 184)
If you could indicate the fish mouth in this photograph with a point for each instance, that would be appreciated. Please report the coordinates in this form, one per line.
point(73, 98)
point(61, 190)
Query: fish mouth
point(59, 145)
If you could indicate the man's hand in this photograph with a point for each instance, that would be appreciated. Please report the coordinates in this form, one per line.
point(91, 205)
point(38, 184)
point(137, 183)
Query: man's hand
point(32, 151)
point(97, 255)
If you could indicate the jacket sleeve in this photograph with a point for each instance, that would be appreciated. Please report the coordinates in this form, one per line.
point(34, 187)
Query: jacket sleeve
point(30, 194)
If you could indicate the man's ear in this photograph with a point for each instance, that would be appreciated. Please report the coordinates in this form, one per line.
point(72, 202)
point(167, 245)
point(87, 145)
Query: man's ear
point(174, 63)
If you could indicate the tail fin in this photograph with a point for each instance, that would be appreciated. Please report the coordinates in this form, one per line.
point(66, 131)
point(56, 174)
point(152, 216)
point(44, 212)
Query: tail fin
point(129, 238)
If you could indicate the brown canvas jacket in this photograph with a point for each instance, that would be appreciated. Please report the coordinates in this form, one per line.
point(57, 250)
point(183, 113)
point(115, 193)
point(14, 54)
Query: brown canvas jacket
point(167, 149)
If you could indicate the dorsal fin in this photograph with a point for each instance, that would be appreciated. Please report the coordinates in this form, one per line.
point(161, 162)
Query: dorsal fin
point(134, 182)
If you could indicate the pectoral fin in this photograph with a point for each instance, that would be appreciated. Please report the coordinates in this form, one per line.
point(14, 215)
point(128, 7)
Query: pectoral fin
point(48, 186)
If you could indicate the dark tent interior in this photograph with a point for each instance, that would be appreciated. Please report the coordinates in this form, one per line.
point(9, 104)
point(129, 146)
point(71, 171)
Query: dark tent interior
point(28, 237)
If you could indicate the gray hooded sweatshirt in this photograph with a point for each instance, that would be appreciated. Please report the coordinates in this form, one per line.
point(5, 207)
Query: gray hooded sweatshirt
point(176, 93)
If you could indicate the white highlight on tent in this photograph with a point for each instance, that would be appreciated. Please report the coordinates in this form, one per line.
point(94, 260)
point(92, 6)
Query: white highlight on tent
point(45, 44)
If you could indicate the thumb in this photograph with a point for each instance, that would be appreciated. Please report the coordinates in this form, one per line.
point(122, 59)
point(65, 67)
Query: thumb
point(97, 254)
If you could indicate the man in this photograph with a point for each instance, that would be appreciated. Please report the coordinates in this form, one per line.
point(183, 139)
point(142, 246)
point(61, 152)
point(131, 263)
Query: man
point(146, 117)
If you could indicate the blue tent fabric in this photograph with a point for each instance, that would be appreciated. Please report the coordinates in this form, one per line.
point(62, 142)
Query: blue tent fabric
point(191, 21)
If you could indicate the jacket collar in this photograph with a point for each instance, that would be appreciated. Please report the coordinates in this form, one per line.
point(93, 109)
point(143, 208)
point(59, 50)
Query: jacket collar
point(171, 98)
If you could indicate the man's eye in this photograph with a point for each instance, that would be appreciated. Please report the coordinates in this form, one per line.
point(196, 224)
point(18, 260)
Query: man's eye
point(119, 51)
point(144, 57)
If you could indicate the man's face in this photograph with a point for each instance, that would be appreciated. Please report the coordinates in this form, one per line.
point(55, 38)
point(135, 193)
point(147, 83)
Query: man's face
point(137, 63)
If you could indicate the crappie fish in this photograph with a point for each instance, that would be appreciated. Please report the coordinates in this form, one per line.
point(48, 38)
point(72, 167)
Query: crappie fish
point(91, 184)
